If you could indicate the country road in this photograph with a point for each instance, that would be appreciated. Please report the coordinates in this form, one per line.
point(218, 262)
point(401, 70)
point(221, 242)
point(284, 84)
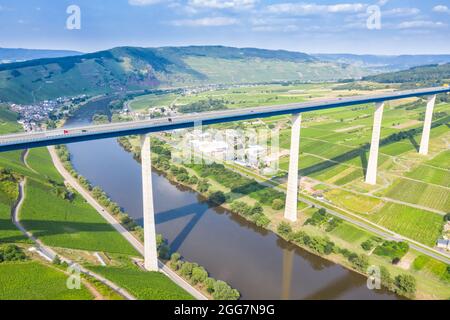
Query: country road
point(50, 254)
point(119, 228)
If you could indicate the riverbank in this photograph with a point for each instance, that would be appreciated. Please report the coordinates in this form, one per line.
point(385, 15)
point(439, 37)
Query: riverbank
point(317, 240)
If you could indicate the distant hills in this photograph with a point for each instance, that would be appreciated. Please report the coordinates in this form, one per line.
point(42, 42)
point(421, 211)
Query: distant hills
point(8, 55)
point(421, 76)
point(67, 73)
point(379, 63)
point(132, 68)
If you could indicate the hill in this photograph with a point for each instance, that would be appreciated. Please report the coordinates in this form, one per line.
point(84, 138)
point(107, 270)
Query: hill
point(8, 55)
point(132, 68)
point(380, 63)
point(423, 75)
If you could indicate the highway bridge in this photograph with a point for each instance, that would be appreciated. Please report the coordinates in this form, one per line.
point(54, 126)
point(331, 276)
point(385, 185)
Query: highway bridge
point(144, 128)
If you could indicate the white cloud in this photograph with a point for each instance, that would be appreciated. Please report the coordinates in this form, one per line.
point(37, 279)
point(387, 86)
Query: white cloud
point(420, 24)
point(401, 12)
point(223, 4)
point(279, 28)
point(143, 2)
point(441, 9)
point(312, 8)
point(206, 22)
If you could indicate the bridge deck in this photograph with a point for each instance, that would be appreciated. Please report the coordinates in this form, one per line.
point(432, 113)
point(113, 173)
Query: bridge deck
point(95, 132)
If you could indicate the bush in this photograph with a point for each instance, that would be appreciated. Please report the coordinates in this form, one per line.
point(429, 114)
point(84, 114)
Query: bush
point(359, 262)
point(203, 185)
point(367, 245)
point(392, 249)
point(257, 209)
point(261, 220)
point(277, 204)
point(447, 217)
point(11, 252)
point(284, 229)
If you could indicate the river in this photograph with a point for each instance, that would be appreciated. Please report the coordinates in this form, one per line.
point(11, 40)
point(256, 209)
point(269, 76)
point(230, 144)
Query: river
point(255, 261)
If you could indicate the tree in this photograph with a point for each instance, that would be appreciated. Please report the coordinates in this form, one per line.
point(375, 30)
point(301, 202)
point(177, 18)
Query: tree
point(447, 217)
point(277, 204)
point(199, 275)
point(217, 198)
point(222, 291)
point(11, 252)
point(209, 283)
point(406, 284)
point(186, 269)
point(386, 279)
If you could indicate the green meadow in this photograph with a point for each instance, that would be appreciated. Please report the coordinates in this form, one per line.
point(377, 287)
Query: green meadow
point(33, 280)
point(68, 223)
point(143, 285)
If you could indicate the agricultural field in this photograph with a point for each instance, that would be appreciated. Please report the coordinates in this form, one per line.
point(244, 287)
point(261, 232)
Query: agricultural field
point(432, 175)
point(242, 97)
point(419, 225)
point(421, 193)
point(33, 280)
point(66, 223)
point(143, 285)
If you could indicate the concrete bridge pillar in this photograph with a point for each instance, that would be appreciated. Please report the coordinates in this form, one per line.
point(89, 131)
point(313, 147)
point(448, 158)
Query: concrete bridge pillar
point(290, 211)
point(150, 250)
point(371, 174)
point(427, 125)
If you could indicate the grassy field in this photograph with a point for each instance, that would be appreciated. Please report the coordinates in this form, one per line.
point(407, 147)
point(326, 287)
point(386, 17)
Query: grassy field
point(442, 160)
point(69, 224)
point(35, 281)
point(353, 202)
point(143, 285)
point(8, 231)
point(8, 121)
point(432, 267)
point(41, 162)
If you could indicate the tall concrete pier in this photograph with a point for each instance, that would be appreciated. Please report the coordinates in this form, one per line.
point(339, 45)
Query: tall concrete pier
point(150, 250)
point(371, 175)
point(427, 125)
point(290, 211)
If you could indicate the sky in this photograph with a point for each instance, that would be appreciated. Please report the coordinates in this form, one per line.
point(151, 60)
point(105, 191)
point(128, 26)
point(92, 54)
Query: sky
point(320, 26)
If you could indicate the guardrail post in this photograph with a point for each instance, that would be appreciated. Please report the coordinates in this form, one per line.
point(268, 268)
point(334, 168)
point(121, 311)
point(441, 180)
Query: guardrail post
point(371, 175)
point(150, 250)
point(427, 125)
point(290, 211)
